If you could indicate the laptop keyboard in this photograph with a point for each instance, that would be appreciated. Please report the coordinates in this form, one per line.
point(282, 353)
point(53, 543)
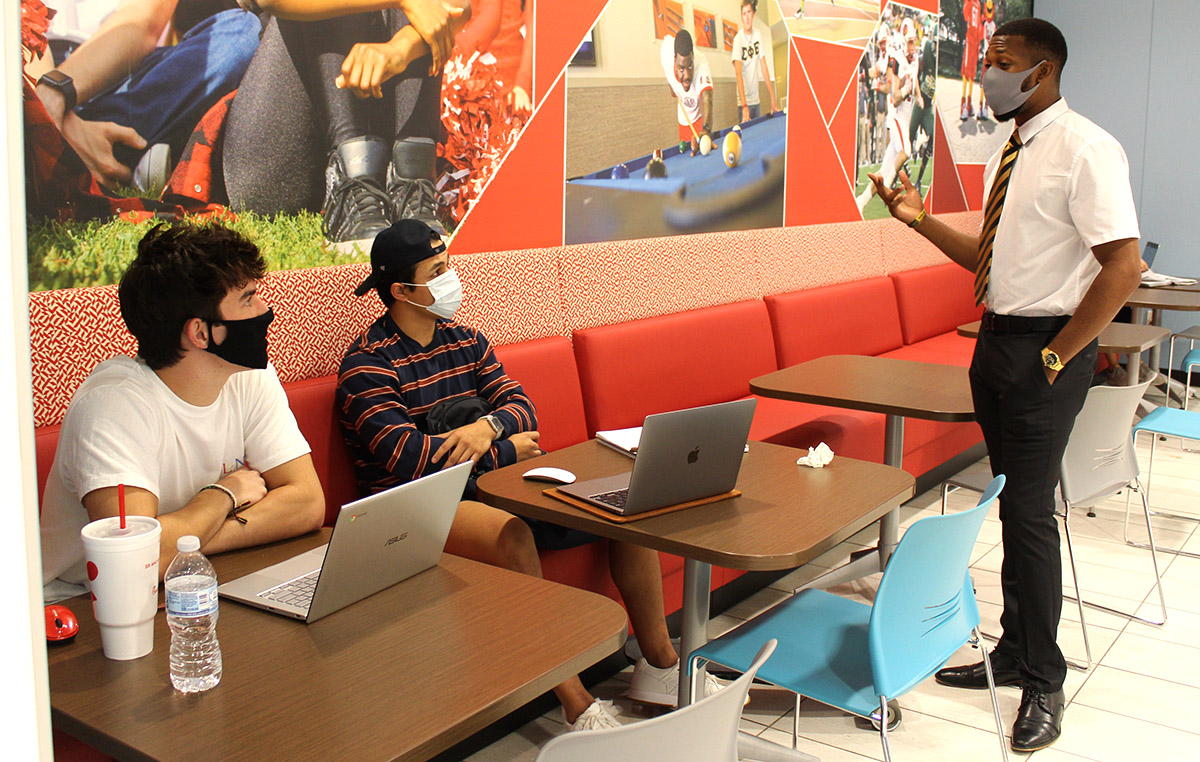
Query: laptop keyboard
point(614, 499)
point(297, 592)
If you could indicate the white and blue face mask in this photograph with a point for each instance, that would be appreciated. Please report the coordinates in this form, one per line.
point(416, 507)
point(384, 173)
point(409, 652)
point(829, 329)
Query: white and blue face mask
point(447, 293)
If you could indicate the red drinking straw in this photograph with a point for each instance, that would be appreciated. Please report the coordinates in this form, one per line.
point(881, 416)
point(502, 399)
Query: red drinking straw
point(121, 502)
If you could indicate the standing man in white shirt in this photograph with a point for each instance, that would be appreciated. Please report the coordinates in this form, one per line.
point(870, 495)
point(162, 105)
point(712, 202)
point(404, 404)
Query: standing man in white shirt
point(691, 86)
point(197, 428)
point(1056, 258)
point(749, 64)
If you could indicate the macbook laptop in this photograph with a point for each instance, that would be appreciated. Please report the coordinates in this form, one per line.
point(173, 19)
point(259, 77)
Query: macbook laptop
point(1149, 253)
point(376, 542)
point(681, 456)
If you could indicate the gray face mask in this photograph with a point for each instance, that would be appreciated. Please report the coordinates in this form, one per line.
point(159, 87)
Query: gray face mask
point(1003, 89)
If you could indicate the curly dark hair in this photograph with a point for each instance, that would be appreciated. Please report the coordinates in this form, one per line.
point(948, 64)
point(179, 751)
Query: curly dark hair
point(182, 271)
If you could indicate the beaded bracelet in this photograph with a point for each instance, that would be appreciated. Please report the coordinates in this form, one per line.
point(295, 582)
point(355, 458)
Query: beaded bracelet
point(234, 511)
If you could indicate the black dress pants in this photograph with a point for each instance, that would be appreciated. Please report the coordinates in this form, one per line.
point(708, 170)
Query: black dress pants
point(1026, 422)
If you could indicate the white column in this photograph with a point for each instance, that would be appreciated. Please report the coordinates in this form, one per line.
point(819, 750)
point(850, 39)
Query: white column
point(25, 720)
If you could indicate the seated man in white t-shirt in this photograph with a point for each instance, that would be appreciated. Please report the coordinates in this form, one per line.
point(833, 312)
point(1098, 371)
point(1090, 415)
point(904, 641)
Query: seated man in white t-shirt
point(197, 428)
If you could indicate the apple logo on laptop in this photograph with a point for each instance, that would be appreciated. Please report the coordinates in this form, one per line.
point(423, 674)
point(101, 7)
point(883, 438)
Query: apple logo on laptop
point(694, 455)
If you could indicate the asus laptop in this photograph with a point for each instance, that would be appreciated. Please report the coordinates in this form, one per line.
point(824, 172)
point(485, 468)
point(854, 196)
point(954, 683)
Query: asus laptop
point(681, 456)
point(376, 542)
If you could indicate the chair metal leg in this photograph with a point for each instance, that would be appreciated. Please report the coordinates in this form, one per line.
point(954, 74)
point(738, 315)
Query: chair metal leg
point(693, 673)
point(1162, 601)
point(946, 487)
point(883, 729)
point(1145, 492)
point(1087, 645)
point(987, 665)
point(796, 724)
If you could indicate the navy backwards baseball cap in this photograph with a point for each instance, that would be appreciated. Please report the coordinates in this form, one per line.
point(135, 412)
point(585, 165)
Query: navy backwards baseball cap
point(403, 244)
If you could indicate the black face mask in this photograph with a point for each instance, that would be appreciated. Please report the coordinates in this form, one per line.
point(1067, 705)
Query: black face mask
point(245, 341)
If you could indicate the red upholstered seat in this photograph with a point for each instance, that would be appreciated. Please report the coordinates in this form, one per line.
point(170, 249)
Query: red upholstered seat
point(546, 370)
point(858, 318)
point(934, 300)
point(312, 403)
point(701, 357)
point(944, 349)
point(852, 433)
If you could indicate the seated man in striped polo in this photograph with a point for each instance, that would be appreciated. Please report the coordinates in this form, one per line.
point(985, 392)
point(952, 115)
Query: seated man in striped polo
point(416, 356)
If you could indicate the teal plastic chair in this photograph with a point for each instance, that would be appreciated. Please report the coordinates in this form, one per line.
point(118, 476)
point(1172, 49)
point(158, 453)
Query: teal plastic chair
point(857, 657)
point(1167, 422)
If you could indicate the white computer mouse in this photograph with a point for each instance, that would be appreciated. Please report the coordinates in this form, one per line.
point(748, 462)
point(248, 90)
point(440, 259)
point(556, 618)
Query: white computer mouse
point(550, 474)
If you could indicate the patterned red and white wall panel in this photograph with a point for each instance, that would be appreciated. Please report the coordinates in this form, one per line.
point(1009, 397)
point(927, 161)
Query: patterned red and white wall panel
point(513, 296)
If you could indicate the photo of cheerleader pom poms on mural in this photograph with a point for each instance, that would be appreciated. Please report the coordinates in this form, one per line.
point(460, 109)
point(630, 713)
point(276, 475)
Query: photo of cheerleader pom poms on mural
point(966, 28)
point(676, 120)
point(896, 101)
point(338, 126)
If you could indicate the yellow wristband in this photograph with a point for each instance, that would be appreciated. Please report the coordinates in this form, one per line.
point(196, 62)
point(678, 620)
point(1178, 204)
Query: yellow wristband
point(917, 220)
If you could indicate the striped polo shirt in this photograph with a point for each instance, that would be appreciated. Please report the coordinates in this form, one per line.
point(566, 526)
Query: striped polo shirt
point(388, 383)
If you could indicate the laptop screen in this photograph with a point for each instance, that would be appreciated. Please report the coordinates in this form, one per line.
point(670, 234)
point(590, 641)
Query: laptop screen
point(1149, 253)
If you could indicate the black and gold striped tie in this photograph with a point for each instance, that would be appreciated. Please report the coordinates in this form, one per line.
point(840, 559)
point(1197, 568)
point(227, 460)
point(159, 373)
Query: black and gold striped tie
point(991, 217)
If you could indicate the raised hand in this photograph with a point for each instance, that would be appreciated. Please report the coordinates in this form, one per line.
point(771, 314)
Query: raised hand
point(905, 202)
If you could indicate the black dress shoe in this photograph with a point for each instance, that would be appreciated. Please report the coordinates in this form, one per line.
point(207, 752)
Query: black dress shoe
point(974, 676)
point(1039, 720)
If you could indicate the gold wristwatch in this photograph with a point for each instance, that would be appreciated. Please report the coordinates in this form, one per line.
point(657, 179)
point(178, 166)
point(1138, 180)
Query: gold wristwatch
point(1051, 359)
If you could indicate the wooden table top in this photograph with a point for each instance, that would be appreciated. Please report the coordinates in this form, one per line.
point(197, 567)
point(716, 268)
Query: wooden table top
point(787, 514)
point(401, 675)
point(876, 384)
point(1116, 338)
point(1165, 299)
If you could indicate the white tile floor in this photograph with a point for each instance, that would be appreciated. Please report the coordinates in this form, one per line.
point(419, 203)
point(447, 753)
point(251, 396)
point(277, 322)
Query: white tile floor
point(1140, 701)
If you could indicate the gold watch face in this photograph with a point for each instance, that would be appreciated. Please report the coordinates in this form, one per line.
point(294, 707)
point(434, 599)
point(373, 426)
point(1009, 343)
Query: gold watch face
point(1051, 361)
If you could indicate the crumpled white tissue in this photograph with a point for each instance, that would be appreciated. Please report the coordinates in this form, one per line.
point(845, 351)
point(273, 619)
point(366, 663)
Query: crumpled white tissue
point(818, 457)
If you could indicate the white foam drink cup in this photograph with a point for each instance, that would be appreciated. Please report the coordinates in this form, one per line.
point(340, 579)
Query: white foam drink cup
point(122, 570)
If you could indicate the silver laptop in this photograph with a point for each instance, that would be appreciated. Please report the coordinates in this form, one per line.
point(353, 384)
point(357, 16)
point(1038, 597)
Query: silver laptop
point(376, 542)
point(1149, 253)
point(681, 456)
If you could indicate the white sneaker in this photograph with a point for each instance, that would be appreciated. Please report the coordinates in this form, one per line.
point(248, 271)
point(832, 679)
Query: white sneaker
point(598, 716)
point(651, 685)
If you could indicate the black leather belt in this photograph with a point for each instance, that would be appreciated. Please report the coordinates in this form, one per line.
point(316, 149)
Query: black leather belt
point(1018, 324)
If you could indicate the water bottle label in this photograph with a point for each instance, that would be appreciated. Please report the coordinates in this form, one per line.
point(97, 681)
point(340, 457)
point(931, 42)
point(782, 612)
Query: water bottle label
point(192, 603)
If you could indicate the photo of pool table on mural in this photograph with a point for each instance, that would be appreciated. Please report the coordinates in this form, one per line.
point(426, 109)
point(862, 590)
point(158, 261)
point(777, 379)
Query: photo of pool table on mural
point(699, 194)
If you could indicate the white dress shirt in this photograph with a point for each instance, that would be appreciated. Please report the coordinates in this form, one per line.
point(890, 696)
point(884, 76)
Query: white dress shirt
point(1069, 192)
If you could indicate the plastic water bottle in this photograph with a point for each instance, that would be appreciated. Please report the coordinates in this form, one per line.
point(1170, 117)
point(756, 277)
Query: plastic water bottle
point(191, 586)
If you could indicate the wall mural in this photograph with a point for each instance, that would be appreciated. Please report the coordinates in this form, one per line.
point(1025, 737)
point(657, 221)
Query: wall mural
point(509, 124)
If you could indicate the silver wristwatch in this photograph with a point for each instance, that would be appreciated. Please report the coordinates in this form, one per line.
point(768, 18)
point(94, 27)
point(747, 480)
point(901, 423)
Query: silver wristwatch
point(494, 422)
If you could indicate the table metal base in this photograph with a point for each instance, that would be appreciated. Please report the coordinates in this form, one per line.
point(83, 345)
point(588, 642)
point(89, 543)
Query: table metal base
point(875, 560)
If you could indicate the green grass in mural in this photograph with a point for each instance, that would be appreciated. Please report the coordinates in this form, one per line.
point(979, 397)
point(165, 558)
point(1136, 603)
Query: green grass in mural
point(76, 254)
point(875, 207)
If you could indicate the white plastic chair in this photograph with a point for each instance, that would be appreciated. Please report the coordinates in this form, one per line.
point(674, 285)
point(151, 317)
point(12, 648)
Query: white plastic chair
point(706, 731)
point(1098, 463)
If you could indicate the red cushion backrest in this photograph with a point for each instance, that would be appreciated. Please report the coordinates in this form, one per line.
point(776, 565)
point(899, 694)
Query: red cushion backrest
point(631, 370)
point(546, 370)
point(935, 300)
point(858, 318)
point(312, 404)
point(45, 442)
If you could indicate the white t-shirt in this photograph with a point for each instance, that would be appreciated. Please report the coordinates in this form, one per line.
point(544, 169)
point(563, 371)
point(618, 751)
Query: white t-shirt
point(748, 51)
point(125, 426)
point(689, 111)
point(1069, 191)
